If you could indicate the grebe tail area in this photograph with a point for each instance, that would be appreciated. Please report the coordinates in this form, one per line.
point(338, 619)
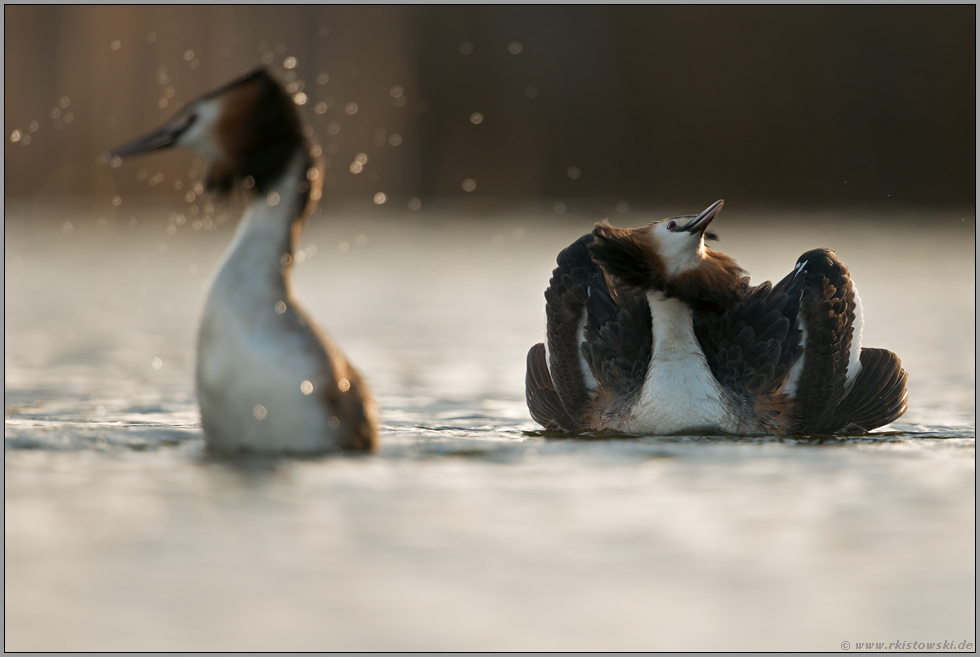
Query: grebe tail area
point(268, 379)
point(650, 332)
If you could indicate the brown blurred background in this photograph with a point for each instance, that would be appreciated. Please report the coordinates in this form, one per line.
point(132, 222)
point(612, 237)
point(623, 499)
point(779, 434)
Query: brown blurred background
point(801, 106)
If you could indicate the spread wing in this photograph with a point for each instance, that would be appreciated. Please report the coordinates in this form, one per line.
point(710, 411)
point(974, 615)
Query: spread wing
point(599, 343)
point(752, 346)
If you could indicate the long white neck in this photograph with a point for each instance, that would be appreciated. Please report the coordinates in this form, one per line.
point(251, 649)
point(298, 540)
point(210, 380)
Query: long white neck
point(673, 328)
point(257, 272)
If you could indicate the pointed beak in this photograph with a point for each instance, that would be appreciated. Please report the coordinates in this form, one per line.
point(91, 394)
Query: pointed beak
point(164, 137)
point(700, 222)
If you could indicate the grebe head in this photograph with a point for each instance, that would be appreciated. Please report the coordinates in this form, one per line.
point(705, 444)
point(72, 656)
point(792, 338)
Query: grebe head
point(668, 256)
point(249, 129)
point(679, 242)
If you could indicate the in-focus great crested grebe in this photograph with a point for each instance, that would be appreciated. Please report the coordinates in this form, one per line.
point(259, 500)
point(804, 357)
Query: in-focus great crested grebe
point(650, 332)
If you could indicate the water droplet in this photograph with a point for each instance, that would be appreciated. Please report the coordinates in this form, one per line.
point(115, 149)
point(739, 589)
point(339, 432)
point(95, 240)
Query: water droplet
point(380, 198)
point(289, 62)
point(259, 412)
point(399, 102)
point(171, 229)
point(299, 257)
point(272, 199)
point(169, 92)
point(68, 118)
point(315, 194)
point(356, 167)
point(163, 102)
point(280, 307)
point(64, 102)
point(333, 421)
point(476, 118)
point(343, 385)
point(66, 228)
point(395, 139)
point(622, 207)
point(351, 109)
point(100, 410)
point(560, 208)
point(115, 45)
point(162, 248)
point(396, 91)
point(320, 108)
point(360, 240)
point(248, 182)
point(469, 185)
point(156, 363)
point(333, 128)
point(15, 136)
point(514, 47)
point(574, 173)
point(306, 387)
point(194, 63)
point(414, 204)
point(55, 113)
point(267, 57)
point(343, 246)
point(285, 259)
point(179, 219)
point(33, 127)
point(116, 201)
point(188, 55)
point(466, 47)
point(361, 158)
point(323, 78)
point(300, 98)
point(190, 196)
point(25, 140)
point(316, 151)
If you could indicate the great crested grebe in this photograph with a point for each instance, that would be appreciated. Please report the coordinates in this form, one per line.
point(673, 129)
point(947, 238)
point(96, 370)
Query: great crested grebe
point(650, 332)
point(268, 379)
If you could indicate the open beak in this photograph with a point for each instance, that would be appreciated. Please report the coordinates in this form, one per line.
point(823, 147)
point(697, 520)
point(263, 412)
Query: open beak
point(700, 222)
point(164, 137)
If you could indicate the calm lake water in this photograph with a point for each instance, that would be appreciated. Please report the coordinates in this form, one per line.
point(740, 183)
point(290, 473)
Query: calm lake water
point(468, 530)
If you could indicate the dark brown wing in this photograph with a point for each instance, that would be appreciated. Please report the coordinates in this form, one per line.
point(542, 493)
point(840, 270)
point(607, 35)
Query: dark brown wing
point(598, 340)
point(565, 300)
point(878, 396)
point(542, 400)
point(752, 345)
point(827, 312)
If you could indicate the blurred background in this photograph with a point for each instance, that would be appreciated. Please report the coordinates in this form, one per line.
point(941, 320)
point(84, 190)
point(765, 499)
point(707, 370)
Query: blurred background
point(778, 106)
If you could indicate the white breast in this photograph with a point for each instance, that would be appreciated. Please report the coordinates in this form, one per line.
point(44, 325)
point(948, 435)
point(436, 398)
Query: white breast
point(253, 358)
point(680, 393)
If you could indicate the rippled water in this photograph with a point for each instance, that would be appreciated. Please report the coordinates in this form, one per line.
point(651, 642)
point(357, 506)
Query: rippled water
point(469, 530)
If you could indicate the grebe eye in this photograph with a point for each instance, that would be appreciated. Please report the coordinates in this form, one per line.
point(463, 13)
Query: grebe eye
point(671, 225)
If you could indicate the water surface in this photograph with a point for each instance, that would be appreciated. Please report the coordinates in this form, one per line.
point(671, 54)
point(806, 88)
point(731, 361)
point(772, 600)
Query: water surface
point(470, 529)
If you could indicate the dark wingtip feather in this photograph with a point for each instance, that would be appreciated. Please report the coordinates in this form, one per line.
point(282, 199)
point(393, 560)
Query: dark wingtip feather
point(879, 395)
point(542, 401)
